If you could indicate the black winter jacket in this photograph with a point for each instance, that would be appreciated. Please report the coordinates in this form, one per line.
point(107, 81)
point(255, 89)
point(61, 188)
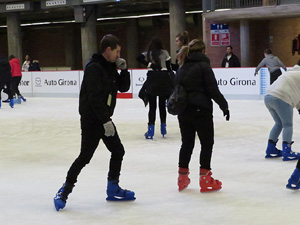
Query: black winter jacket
point(198, 79)
point(99, 88)
point(233, 61)
point(5, 70)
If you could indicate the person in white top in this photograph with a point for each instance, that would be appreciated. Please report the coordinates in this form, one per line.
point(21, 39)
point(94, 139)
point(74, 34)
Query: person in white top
point(281, 97)
point(26, 64)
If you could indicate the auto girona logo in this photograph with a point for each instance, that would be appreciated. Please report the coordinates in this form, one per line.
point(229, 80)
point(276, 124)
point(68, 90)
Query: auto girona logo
point(38, 82)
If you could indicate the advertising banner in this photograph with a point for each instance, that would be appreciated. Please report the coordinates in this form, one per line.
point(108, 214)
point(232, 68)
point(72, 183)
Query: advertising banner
point(25, 85)
point(56, 82)
point(138, 79)
point(237, 81)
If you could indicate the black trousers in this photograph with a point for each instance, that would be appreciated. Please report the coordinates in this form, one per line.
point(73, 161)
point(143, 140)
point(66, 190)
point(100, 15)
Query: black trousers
point(152, 108)
point(15, 85)
point(92, 133)
point(274, 75)
point(7, 90)
point(194, 121)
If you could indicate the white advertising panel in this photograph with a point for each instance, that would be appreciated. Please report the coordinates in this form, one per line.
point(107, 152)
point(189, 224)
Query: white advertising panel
point(231, 81)
point(138, 79)
point(25, 85)
point(237, 81)
point(56, 82)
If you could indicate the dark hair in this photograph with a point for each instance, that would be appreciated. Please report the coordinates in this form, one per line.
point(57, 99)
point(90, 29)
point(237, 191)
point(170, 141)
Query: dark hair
point(183, 37)
point(154, 49)
point(109, 40)
point(298, 63)
point(268, 51)
point(11, 57)
point(229, 46)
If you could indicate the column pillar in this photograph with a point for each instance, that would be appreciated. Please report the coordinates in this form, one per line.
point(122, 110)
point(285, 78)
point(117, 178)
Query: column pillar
point(88, 35)
point(132, 43)
point(177, 23)
point(70, 48)
point(245, 43)
point(14, 36)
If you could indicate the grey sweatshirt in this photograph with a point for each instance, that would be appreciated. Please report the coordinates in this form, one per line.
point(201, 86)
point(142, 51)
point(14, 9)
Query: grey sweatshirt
point(272, 62)
point(287, 87)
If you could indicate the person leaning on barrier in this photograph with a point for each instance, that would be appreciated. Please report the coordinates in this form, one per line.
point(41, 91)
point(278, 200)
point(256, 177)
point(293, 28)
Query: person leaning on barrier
point(230, 59)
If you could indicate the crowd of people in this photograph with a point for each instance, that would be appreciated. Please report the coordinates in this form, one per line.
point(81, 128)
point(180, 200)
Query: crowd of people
point(193, 72)
point(98, 98)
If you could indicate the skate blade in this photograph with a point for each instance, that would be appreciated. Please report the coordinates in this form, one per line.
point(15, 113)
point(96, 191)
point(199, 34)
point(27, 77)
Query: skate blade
point(296, 187)
point(290, 159)
point(272, 156)
point(149, 137)
point(209, 189)
point(117, 199)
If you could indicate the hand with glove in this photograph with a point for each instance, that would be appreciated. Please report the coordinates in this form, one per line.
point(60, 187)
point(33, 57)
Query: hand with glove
point(226, 113)
point(299, 111)
point(109, 129)
point(121, 64)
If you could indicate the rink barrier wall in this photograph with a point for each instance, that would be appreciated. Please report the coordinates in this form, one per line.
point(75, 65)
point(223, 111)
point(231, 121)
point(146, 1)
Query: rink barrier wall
point(234, 83)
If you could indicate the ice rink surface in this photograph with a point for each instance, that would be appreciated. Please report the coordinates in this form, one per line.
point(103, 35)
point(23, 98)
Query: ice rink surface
point(41, 138)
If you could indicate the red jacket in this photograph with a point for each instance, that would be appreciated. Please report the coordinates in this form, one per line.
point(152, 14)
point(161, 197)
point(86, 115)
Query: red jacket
point(15, 67)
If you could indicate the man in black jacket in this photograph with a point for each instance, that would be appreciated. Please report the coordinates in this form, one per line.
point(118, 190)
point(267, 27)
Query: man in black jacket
point(97, 101)
point(230, 59)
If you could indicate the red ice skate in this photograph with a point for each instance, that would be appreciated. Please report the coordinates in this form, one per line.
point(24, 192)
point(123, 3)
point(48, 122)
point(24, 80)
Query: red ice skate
point(183, 178)
point(207, 183)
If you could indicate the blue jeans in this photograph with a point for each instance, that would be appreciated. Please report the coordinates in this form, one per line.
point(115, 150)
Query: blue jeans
point(282, 114)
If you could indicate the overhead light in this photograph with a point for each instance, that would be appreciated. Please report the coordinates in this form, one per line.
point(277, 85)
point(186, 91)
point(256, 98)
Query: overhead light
point(106, 18)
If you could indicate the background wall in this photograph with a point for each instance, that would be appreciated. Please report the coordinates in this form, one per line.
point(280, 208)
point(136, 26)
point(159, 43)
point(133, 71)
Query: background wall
point(275, 34)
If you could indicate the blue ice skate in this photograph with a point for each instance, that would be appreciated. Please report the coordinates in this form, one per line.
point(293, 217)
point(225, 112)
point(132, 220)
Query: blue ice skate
point(272, 151)
point(294, 181)
point(287, 152)
point(11, 103)
point(150, 133)
point(116, 193)
point(21, 97)
point(61, 196)
point(17, 100)
point(163, 129)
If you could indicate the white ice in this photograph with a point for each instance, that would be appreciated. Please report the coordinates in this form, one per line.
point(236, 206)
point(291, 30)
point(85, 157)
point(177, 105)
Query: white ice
point(41, 138)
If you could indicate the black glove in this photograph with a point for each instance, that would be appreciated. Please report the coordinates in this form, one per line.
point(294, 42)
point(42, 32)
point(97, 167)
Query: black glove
point(299, 111)
point(226, 113)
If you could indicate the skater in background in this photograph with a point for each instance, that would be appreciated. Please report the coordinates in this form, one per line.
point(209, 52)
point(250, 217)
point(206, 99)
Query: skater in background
point(230, 59)
point(26, 64)
point(35, 65)
point(182, 39)
point(280, 99)
point(197, 78)
point(97, 101)
point(273, 63)
point(158, 83)
point(16, 78)
point(5, 79)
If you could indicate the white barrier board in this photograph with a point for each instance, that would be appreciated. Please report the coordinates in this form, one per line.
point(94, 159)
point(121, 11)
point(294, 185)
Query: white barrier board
point(56, 82)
